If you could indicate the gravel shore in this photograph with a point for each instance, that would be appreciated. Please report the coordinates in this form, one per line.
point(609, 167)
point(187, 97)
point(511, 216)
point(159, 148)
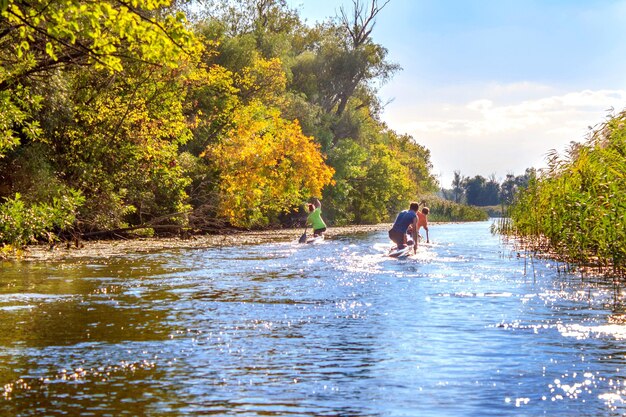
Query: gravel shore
point(112, 248)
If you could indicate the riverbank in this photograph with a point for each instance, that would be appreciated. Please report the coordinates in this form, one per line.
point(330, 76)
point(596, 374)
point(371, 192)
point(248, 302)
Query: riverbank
point(112, 248)
point(585, 261)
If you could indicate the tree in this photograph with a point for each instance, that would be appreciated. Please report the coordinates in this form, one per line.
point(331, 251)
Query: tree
point(457, 187)
point(474, 190)
point(491, 192)
point(42, 37)
point(513, 184)
point(508, 189)
point(266, 167)
point(363, 60)
point(385, 187)
point(270, 26)
point(52, 34)
point(343, 59)
point(112, 119)
point(120, 146)
point(349, 161)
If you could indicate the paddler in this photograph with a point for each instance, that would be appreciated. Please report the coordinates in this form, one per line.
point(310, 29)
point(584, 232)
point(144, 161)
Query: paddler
point(315, 218)
point(400, 226)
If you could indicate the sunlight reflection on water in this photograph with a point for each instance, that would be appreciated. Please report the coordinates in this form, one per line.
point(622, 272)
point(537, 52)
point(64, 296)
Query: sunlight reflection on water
point(336, 328)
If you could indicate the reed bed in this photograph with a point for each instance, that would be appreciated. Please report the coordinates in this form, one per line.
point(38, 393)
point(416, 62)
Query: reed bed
point(575, 210)
point(442, 210)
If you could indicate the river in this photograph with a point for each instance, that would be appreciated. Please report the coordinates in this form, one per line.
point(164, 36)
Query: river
point(463, 328)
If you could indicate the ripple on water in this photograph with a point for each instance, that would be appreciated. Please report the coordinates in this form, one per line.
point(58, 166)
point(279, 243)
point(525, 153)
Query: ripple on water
point(332, 329)
point(27, 301)
point(579, 331)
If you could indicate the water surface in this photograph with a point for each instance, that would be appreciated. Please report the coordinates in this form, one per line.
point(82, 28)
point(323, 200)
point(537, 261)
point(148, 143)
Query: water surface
point(463, 328)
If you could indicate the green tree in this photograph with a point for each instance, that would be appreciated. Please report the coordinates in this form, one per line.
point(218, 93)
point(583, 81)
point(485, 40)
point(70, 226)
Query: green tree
point(508, 189)
point(349, 161)
point(457, 187)
point(42, 37)
point(121, 146)
point(111, 122)
point(363, 61)
point(385, 187)
point(474, 189)
point(491, 193)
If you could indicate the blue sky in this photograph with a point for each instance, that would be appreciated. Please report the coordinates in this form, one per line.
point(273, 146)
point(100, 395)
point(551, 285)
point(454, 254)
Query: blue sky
point(491, 86)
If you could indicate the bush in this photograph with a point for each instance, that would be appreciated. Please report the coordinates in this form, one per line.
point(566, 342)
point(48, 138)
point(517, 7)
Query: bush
point(442, 210)
point(22, 223)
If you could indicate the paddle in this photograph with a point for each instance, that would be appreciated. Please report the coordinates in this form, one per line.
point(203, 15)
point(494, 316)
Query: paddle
point(303, 237)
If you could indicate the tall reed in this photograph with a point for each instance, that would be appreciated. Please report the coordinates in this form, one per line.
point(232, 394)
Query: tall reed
point(576, 208)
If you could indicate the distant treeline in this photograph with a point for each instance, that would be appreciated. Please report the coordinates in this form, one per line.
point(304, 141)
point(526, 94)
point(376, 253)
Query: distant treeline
point(194, 115)
point(576, 209)
point(480, 191)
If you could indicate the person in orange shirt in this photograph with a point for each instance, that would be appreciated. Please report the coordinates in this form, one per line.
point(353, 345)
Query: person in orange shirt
point(422, 221)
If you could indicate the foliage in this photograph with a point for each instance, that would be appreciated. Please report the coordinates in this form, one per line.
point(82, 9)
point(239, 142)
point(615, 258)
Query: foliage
point(376, 170)
point(481, 192)
point(349, 158)
point(46, 34)
point(578, 206)
point(120, 146)
point(442, 210)
point(457, 187)
point(512, 184)
point(40, 37)
point(377, 173)
point(104, 68)
point(212, 100)
point(237, 119)
point(385, 187)
point(22, 223)
point(15, 120)
point(331, 72)
point(266, 166)
point(416, 158)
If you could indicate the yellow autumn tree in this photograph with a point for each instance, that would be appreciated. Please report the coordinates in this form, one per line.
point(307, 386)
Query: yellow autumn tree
point(266, 165)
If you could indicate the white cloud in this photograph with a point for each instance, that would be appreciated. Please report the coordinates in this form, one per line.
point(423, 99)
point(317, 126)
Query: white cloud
point(522, 88)
point(505, 128)
point(549, 112)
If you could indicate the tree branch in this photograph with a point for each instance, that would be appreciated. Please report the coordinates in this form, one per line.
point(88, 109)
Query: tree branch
point(361, 25)
point(155, 23)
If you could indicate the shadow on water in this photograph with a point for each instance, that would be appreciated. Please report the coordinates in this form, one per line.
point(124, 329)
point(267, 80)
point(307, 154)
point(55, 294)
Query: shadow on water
point(332, 329)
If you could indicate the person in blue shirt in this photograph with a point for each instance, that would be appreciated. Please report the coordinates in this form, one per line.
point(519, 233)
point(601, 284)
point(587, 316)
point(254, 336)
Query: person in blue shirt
point(400, 226)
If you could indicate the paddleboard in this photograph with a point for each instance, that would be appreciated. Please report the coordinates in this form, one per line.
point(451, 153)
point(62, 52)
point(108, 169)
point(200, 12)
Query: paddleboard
point(317, 239)
point(401, 253)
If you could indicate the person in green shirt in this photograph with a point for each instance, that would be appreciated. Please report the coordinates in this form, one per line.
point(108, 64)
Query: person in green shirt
point(315, 218)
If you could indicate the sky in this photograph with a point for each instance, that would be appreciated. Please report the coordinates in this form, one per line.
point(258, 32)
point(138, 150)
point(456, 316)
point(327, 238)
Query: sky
point(490, 87)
